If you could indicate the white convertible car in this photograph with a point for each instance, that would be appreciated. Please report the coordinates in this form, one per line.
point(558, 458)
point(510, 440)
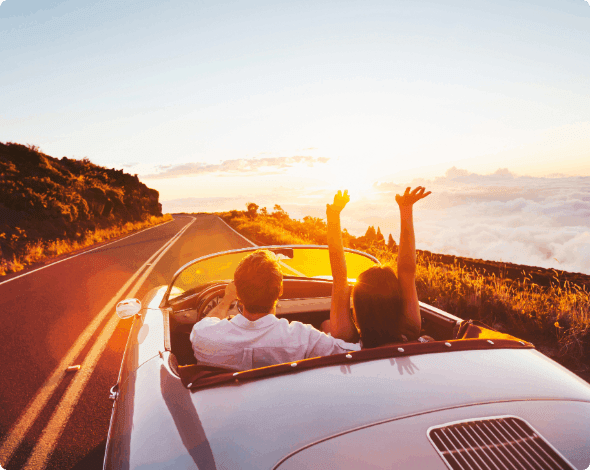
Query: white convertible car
point(473, 399)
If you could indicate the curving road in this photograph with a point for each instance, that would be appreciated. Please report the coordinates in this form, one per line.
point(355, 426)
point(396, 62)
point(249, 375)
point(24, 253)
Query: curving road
point(60, 315)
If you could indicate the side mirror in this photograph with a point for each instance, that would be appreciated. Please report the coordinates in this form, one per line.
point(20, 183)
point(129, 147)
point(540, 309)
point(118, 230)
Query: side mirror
point(128, 308)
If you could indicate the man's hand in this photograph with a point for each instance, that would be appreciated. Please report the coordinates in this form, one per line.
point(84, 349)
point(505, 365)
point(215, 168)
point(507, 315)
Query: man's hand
point(221, 310)
point(340, 201)
point(231, 293)
point(409, 198)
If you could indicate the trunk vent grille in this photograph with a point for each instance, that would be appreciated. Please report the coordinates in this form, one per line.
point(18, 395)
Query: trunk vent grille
point(495, 443)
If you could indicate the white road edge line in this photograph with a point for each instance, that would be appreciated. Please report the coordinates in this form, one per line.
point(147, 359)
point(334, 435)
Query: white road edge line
point(292, 269)
point(46, 444)
point(254, 244)
point(80, 254)
point(36, 405)
point(237, 233)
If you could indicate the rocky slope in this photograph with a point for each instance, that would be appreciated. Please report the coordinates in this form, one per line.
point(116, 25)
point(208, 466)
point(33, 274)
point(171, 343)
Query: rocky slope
point(45, 198)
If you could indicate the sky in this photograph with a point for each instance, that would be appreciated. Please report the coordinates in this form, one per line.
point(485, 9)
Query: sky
point(217, 103)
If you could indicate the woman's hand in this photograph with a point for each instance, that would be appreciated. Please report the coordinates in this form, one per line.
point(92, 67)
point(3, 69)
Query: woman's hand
point(406, 261)
point(340, 324)
point(409, 198)
point(340, 201)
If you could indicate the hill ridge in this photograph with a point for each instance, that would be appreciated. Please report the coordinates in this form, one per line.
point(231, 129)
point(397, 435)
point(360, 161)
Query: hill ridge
point(50, 204)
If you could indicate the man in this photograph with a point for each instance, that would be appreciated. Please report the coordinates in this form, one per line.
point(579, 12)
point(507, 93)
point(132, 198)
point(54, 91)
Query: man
point(257, 338)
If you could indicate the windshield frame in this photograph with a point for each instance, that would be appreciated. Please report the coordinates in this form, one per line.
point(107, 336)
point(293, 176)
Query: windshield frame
point(165, 304)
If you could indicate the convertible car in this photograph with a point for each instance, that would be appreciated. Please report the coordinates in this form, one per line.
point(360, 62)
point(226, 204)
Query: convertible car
point(474, 398)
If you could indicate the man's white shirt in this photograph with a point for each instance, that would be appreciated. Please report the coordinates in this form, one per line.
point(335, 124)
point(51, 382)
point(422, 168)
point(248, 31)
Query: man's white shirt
point(241, 344)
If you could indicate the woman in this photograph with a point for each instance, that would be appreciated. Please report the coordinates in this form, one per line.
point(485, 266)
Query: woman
point(386, 308)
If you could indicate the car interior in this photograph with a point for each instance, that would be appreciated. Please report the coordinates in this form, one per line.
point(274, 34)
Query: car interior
point(304, 300)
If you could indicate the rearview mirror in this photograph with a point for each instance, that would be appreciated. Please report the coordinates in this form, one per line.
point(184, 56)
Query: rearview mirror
point(128, 308)
point(283, 253)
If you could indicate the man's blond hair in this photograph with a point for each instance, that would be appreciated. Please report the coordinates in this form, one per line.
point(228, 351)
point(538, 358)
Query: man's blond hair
point(258, 279)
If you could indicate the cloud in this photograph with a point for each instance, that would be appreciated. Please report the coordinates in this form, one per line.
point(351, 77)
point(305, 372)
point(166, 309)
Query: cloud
point(293, 201)
point(268, 165)
point(501, 216)
point(129, 165)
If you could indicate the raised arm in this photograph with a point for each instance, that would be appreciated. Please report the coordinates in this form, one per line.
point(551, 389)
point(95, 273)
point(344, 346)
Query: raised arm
point(341, 325)
point(406, 261)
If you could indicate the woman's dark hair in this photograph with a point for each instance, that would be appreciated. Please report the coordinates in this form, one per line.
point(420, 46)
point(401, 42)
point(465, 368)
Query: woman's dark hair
point(378, 304)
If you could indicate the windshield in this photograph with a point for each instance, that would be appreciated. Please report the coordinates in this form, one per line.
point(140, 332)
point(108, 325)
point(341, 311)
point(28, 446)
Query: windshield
point(296, 261)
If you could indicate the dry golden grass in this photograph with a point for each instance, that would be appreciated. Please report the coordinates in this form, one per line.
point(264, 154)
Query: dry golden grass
point(44, 250)
point(267, 231)
point(556, 318)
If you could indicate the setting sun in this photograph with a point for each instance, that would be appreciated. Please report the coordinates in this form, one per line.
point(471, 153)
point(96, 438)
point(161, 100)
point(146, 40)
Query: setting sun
point(147, 148)
point(342, 174)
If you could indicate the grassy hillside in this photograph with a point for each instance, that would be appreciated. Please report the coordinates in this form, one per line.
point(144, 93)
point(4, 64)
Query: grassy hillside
point(50, 206)
point(547, 307)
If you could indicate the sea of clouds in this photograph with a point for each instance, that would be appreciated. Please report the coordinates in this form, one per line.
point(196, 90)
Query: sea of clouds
point(526, 220)
point(535, 221)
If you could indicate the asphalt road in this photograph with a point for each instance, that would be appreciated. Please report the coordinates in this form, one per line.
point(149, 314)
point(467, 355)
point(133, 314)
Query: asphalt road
point(46, 312)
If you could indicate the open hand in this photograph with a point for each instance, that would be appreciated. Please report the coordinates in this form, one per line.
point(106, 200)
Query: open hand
point(409, 198)
point(340, 200)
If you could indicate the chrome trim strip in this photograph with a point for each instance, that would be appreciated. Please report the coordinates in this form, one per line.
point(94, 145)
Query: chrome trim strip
point(460, 454)
point(504, 444)
point(439, 312)
point(493, 449)
point(166, 317)
point(462, 443)
point(108, 445)
point(537, 444)
point(447, 449)
point(252, 249)
point(412, 415)
point(114, 392)
point(482, 449)
point(517, 440)
point(501, 443)
point(166, 357)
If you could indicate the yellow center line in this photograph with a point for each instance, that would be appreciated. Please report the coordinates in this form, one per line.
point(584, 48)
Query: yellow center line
point(36, 405)
point(80, 254)
point(56, 425)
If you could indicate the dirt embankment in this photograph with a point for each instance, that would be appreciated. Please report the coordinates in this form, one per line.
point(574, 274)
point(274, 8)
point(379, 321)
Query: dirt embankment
point(49, 204)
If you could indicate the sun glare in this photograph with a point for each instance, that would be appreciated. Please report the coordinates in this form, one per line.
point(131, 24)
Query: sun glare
point(341, 176)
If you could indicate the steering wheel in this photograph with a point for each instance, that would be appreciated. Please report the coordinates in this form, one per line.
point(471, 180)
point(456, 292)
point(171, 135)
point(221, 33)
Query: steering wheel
point(210, 297)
